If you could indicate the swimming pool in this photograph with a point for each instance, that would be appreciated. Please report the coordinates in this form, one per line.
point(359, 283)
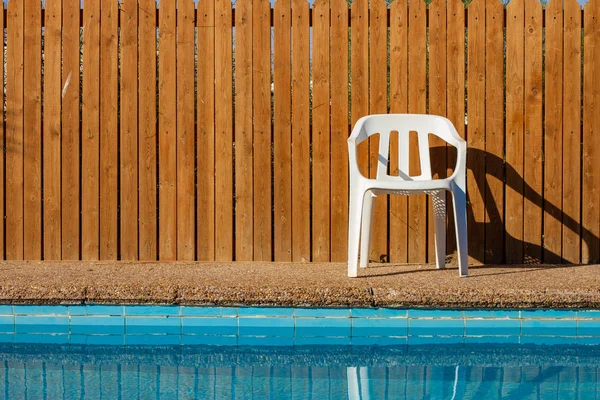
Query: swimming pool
point(319, 372)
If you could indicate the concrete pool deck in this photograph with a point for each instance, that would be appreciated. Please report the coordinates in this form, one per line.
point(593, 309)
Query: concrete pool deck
point(298, 284)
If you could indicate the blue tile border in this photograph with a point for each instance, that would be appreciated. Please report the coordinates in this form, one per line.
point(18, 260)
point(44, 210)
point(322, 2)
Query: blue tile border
point(99, 324)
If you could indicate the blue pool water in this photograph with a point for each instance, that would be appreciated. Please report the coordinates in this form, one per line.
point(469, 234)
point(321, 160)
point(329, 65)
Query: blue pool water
point(419, 372)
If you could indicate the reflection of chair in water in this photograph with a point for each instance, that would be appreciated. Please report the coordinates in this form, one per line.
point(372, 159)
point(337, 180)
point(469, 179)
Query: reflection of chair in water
point(358, 383)
point(363, 190)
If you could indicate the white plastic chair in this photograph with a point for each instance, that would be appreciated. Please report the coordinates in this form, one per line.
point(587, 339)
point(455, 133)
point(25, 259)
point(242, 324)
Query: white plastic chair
point(363, 191)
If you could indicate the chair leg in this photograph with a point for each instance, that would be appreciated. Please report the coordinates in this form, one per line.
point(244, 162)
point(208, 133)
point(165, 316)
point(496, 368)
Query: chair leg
point(459, 202)
point(439, 213)
point(354, 217)
point(367, 222)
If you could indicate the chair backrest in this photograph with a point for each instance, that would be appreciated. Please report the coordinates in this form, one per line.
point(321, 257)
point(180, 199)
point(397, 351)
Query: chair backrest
point(404, 124)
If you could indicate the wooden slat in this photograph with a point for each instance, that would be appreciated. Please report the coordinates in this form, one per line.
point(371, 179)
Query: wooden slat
point(52, 132)
point(437, 101)
point(532, 210)
point(339, 130)
point(261, 88)
point(2, 156)
point(515, 56)
point(109, 144)
point(244, 229)
point(494, 133)
point(590, 203)
point(70, 130)
point(14, 132)
point(90, 150)
point(147, 134)
point(167, 133)
point(378, 105)
point(32, 124)
point(300, 131)
point(398, 104)
point(224, 133)
point(455, 14)
point(186, 217)
point(205, 103)
point(571, 148)
point(359, 66)
point(321, 135)
point(476, 131)
point(417, 104)
point(553, 134)
point(128, 145)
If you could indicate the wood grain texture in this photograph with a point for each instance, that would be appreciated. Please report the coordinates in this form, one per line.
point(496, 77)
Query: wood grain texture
point(2, 156)
point(14, 131)
point(455, 14)
point(553, 134)
point(321, 197)
point(70, 131)
point(378, 105)
point(244, 229)
point(300, 131)
point(398, 104)
point(224, 133)
point(494, 133)
point(532, 210)
point(32, 126)
point(262, 170)
point(90, 134)
point(186, 138)
point(128, 139)
point(571, 146)
point(590, 202)
point(437, 102)
point(205, 120)
point(359, 66)
point(167, 132)
point(515, 70)
point(476, 130)
point(52, 131)
point(339, 130)
point(417, 104)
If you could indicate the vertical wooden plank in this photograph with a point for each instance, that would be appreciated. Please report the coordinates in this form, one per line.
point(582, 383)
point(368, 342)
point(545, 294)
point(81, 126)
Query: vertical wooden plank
point(224, 132)
point(90, 120)
point(243, 131)
point(321, 205)
point(167, 132)
point(129, 137)
point(378, 105)
point(52, 131)
point(147, 134)
point(109, 142)
point(186, 217)
point(300, 131)
point(2, 155)
point(417, 104)
point(70, 131)
point(515, 70)
point(339, 130)
point(359, 65)
point(261, 88)
point(532, 210)
point(476, 130)
point(553, 136)
point(32, 125)
point(437, 102)
point(398, 104)
point(590, 204)
point(494, 133)
point(205, 103)
point(455, 14)
point(571, 149)
point(14, 132)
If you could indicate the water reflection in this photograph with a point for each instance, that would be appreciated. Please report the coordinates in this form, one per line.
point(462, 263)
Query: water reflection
point(73, 372)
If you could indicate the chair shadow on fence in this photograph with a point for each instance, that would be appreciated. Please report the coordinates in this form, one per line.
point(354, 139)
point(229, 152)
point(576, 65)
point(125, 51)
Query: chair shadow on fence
point(497, 169)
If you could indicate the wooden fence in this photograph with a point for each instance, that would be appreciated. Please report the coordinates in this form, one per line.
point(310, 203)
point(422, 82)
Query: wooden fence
point(216, 132)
